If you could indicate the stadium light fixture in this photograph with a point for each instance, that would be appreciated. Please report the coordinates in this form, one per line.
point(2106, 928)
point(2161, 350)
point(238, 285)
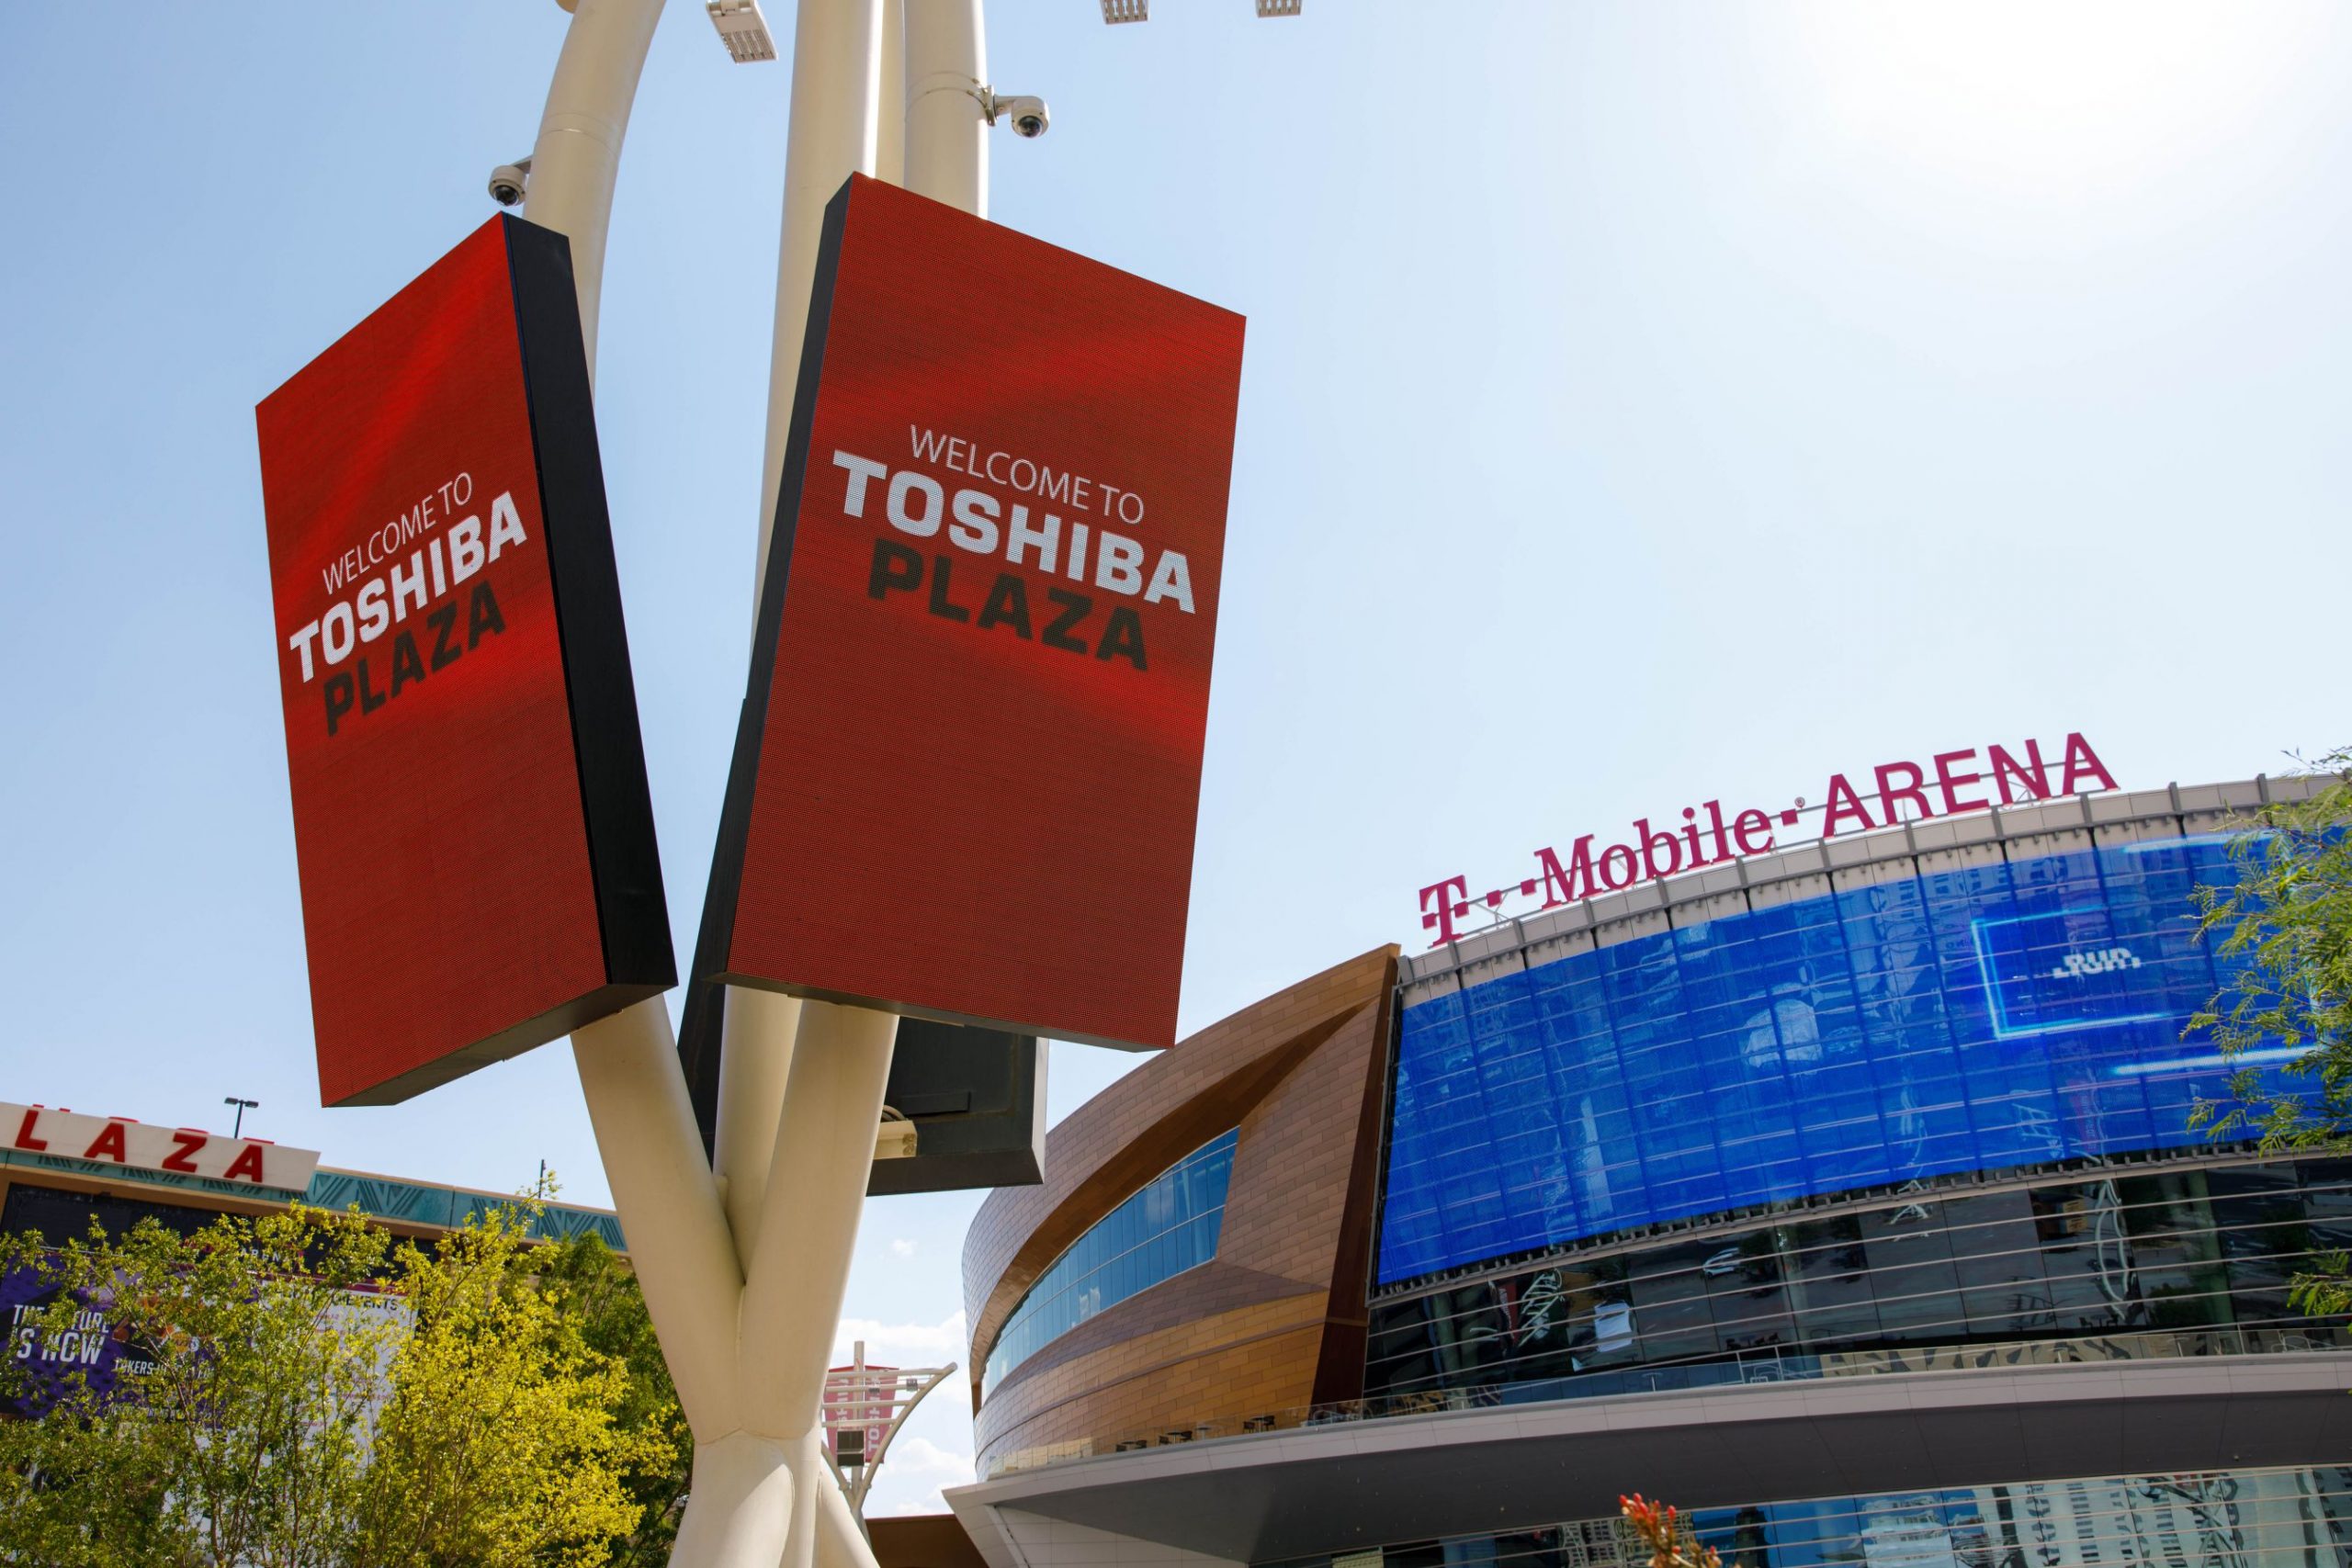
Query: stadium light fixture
point(1118, 11)
point(743, 28)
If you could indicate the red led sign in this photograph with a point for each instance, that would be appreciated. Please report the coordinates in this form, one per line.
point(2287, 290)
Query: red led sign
point(470, 815)
point(969, 768)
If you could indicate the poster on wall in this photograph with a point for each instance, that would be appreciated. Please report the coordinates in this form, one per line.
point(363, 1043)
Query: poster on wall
point(471, 820)
point(968, 776)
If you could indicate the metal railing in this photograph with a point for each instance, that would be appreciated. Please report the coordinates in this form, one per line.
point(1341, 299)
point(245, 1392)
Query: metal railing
point(1752, 1367)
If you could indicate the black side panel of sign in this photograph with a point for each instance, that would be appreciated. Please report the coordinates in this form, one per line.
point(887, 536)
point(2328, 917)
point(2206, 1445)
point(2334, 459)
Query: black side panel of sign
point(618, 806)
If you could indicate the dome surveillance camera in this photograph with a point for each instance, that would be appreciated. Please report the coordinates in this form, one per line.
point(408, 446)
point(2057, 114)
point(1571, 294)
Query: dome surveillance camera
point(1028, 113)
point(508, 181)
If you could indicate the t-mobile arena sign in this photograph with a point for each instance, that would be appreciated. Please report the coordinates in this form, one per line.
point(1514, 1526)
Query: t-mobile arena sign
point(1949, 784)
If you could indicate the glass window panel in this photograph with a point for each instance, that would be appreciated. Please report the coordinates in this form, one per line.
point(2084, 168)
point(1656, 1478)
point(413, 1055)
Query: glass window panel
point(1975, 1019)
point(1167, 1226)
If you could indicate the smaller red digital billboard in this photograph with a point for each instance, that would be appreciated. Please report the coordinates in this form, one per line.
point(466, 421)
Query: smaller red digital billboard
point(471, 821)
point(967, 777)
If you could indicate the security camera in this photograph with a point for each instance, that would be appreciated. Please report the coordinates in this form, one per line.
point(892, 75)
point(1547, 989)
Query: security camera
point(1027, 112)
point(508, 181)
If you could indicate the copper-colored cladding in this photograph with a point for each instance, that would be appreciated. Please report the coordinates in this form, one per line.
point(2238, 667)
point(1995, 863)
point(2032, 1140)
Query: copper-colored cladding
point(923, 1541)
point(1276, 1320)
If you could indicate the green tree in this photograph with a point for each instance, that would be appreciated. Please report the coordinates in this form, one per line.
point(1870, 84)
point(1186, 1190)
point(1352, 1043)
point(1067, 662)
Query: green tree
point(235, 1428)
point(294, 1392)
point(500, 1447)
point(591, 1285)
point(2284, 934)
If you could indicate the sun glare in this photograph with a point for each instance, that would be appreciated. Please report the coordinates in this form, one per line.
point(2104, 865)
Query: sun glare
point(2052, 98)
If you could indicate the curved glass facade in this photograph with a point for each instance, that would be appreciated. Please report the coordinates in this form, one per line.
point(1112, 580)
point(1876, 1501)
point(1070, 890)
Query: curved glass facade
point(2230, 1518)
point(2098, 1269)
point(1905, 1024)
point(1169, 1225)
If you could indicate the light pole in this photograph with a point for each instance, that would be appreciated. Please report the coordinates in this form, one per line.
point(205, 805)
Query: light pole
point(865, 1408)
point(243, 1106)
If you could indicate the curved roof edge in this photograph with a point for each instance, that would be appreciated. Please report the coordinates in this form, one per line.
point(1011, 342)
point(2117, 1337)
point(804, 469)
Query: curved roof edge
point(1359, 1484)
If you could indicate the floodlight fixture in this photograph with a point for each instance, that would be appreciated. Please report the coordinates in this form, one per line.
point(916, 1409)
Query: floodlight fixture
point(1118, 11)
point(743, 28)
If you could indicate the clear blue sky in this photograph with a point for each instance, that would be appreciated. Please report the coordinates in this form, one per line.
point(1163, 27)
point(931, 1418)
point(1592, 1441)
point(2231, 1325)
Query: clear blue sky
point(1644, 402)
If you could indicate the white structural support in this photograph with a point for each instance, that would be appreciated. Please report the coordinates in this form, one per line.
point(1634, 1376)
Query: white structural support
point(744, 1266)
point(578, 155)
point(832, 127)
point(946, 75)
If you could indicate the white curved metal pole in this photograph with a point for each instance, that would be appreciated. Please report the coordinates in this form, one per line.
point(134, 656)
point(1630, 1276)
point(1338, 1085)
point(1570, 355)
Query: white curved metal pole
point(891, 95)
point(739, 1513)
point(946, 72)
point(798, 1271)
point(841, 1533)
point(745, 1288)
point(753, 1068)
point(795, 1196)
point(668, 1209)
point(627, 1063)
point(824, 1152)
point(578, 155)
point(836, 50)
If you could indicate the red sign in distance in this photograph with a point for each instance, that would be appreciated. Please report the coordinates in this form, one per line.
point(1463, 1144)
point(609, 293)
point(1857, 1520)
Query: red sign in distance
point(470, 815)
point(969, 774)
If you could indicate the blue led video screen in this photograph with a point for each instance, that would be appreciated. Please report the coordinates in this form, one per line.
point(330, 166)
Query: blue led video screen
point(1972, 1020)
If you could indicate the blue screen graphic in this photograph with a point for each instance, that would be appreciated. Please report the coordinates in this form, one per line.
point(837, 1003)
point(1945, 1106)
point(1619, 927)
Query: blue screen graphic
point(1972, 1020)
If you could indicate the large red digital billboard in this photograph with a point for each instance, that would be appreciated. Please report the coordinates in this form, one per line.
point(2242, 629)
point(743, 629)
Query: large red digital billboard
point(471, 820)
point(969, 772)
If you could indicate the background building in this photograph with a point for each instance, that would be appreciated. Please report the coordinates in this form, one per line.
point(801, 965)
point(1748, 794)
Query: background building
point(61, 1172)
point(59, 1195)
point(1845, 1194)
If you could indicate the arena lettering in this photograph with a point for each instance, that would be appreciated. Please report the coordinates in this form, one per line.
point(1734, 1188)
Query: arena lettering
point(1949, 784)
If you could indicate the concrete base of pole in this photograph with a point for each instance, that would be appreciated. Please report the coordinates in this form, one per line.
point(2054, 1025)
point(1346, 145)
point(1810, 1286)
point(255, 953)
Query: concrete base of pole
point(738, 1514)
point(841, 1538)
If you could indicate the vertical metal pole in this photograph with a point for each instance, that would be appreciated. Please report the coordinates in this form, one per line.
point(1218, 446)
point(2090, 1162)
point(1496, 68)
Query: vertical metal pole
point(891, 95)
point(753, 1068)
point(746, 1309)
point(679, 1238)
point(578, 155)
point(946, 72)
point(628, 1065)
point(832, 132)
point(798, 1272)
point(797, 1227)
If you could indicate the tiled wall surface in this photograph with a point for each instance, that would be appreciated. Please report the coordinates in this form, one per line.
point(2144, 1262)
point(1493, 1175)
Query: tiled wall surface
point(1301, 1074)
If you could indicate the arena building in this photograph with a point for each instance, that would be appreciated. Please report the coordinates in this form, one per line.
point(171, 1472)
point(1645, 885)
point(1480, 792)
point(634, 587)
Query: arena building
point(1845, 1194)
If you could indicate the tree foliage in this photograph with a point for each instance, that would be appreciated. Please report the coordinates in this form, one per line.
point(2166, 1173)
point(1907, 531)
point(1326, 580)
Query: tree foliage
point(298, 1392)
point(2282, 936)
point(234, 1427)
point(589, 1285)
